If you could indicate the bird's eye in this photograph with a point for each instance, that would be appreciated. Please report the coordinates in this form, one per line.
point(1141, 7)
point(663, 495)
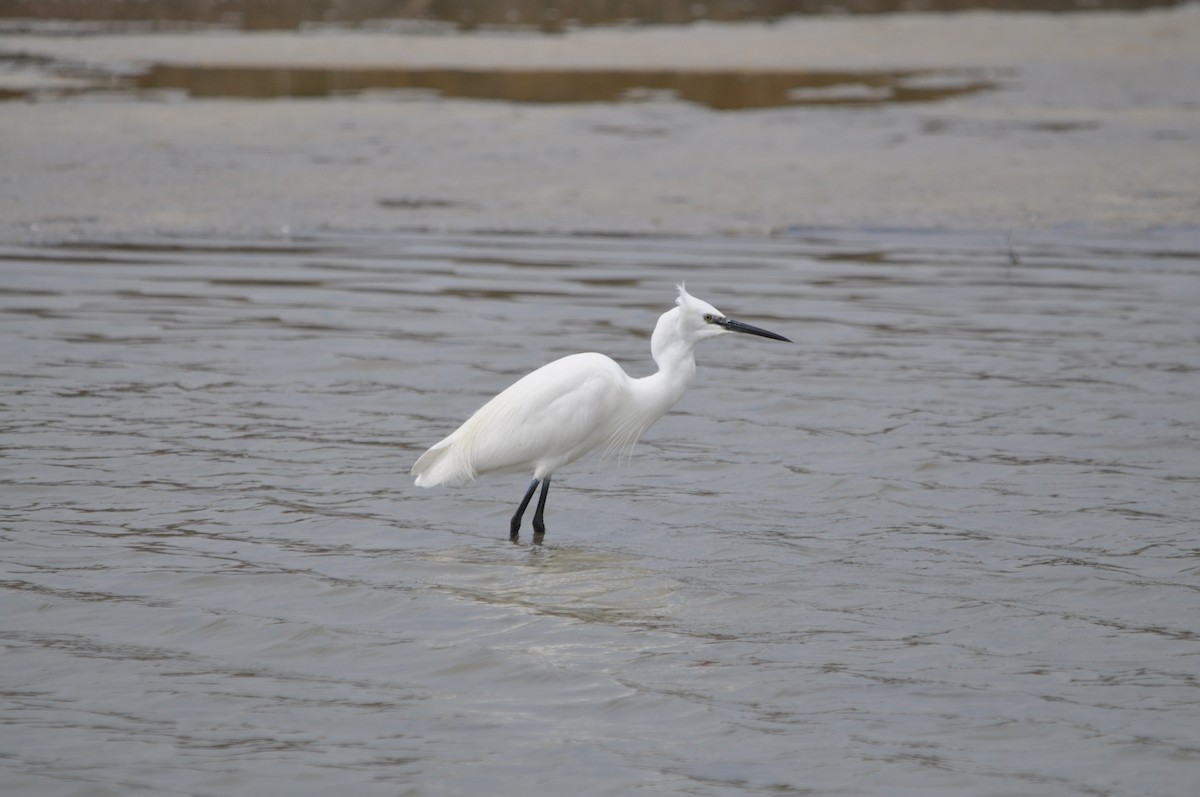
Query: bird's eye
point(709, 317)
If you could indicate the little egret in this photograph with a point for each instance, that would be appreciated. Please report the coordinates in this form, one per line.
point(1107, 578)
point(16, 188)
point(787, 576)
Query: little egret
point(566, 408)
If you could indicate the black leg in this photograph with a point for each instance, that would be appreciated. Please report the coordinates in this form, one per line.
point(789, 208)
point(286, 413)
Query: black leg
point(539, 526)
point(515, 526)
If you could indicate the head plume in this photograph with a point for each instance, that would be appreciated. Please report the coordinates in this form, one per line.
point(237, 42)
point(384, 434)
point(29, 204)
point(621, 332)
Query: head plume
point(684, 299)
point(691, 307)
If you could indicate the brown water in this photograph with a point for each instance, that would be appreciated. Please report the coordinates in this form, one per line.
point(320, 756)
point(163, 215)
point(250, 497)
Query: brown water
point(716, 89)
point(944, 544)
point(721, 90)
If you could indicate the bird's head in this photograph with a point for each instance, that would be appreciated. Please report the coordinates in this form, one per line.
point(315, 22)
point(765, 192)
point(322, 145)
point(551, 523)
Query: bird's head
point(699, 320)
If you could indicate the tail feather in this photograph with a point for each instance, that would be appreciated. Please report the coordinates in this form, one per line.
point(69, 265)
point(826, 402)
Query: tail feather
point(442, 464)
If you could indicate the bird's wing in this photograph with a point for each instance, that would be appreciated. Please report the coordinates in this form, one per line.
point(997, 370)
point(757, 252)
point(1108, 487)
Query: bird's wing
point(549, 414)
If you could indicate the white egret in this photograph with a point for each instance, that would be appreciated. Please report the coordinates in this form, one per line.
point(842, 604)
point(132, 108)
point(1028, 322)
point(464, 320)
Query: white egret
point(565, 409)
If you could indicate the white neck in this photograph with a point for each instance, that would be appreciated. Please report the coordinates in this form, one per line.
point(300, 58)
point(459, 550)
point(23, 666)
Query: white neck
point(657, 393)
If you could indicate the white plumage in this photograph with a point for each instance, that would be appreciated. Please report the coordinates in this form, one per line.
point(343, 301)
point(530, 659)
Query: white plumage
point(576, 404)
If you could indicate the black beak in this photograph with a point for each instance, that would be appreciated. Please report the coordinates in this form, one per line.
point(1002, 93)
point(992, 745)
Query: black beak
point(738, 326)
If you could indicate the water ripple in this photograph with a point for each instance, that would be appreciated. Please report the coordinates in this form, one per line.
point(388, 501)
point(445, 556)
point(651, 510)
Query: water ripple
point(945, 544)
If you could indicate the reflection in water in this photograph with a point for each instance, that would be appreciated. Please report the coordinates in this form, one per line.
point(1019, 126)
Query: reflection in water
point(720, 90)
point(724, 90)
point(561, 581)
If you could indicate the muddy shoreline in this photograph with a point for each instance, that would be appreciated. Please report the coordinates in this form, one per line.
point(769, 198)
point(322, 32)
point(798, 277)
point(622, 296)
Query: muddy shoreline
point(1081, 121)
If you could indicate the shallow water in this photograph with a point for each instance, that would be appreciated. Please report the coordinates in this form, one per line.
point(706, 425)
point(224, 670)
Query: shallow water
point(720, 90)
point(716, 89)
point(945, 544)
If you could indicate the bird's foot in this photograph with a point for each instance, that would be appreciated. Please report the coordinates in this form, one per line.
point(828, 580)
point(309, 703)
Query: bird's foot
point(538, 535)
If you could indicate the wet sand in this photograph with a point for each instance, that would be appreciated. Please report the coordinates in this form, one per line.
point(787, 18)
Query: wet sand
point(1082, 121)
